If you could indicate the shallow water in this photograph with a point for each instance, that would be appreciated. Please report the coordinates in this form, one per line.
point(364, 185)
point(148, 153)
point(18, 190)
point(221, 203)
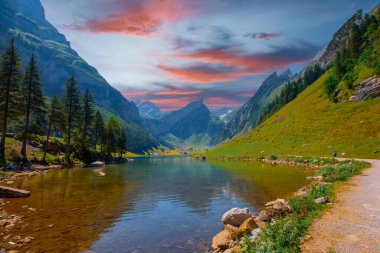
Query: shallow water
point(151, 205)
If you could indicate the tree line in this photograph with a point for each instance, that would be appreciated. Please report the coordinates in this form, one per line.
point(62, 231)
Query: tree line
point(358, 47)
point(72, 116)
point(291, 90)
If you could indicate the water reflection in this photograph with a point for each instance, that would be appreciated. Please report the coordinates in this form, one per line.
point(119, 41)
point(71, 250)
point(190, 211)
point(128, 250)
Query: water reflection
point(151, 205)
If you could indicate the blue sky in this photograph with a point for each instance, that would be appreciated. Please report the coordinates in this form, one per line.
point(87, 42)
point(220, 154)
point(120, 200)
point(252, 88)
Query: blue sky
point(172, 52)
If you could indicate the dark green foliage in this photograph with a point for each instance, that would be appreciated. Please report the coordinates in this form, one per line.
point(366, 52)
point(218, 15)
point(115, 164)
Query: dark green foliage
point(88, 111)
point(56, 121)
point(33, 105)
point(112, 135)
point(360, 47)
point(331, 87)
point(9, 91)
point(122, 142)
point(98, 130)
point(72, 105)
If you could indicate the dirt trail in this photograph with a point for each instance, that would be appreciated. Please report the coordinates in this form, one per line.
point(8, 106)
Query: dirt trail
point(353, 223)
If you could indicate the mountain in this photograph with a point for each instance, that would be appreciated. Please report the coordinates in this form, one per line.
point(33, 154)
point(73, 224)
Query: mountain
point(246, 117)
point(148, 109)
point(24, 20)
point(192, 121)
point(327, 54)
point(315, 123)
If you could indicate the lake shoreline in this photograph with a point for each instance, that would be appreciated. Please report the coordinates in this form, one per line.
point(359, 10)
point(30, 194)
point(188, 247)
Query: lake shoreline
point(319, 192)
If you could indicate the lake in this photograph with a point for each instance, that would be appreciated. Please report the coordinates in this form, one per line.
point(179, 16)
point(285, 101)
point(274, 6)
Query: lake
point(163, 204)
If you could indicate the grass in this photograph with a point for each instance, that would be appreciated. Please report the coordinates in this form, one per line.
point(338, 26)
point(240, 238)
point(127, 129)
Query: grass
point(311, 125)
point(283, 234)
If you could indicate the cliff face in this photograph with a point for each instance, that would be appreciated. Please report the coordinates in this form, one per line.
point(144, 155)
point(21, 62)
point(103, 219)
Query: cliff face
point(24, 20)
point(327, 55)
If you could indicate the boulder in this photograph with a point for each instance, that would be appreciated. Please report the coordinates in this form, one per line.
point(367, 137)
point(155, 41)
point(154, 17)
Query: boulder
point(96, 164)
point(222, 240)
point(302, 191)
point(322, 200)
point(368, 88)
point(9, 192)
point(236, 216)
point(245, 228)
point(273, 209)
point(234, 249)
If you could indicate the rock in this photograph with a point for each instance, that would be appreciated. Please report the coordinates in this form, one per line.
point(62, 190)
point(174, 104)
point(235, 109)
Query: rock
point(254, 234)
point(101, 174)
point(368, 88)
point(245, 228)
point(28, 239)
point(10, 182)
point(9, 192)
point(230, 228)
point(302, 191)
point(234, 249)
point(273, 209)
point(317, 178)
point(322, 200)
point(4, 223)
point(50, 226)
point(222, 240)
point(235, 216)
point(96, 164)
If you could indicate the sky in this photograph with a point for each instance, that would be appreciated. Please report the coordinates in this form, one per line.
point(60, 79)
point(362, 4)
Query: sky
point(172, 52)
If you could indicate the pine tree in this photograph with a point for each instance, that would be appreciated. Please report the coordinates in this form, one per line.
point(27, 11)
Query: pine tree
point(56, 120)
point(122, 141)
point(112, 129)
point(354, 41)
point(88, 118)
point(33, 102)
point(98, 129)
point(72, 107)
point(9, 91)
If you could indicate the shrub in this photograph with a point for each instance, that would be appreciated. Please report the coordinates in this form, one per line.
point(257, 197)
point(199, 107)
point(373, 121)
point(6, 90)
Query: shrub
point(331, 87)
point(318, 191)
point(281, 235)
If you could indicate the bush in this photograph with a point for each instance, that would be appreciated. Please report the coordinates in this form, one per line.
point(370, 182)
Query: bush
point(318, 191)
point(281, 235)
point(331, 87)
point(341, 172)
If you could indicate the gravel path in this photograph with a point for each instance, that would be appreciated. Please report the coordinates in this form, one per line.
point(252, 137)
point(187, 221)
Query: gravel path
point(352, 225)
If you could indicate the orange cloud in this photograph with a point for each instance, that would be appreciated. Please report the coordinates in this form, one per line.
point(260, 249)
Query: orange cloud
point(139, 18)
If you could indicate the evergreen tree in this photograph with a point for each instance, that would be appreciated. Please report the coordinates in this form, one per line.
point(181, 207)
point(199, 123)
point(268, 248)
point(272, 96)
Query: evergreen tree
point(98, 130)
point(9, 91)
point(33, 102)
point(122, 142)
point(72, 107)
point(88, 118)
point(56, 120)
point(112, 130)
point(354, 41)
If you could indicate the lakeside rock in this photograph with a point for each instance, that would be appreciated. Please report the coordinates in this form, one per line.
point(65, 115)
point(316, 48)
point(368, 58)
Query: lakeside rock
point(273, 209)
point(96, 164)
point(322, 200)
point(9, 192)
point(236, 216)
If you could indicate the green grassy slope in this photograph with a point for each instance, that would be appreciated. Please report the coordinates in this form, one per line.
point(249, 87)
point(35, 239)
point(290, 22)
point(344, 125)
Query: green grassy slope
point(312, 125)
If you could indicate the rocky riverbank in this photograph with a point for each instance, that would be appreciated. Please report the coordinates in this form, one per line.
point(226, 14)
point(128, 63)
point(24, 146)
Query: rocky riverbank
point(282, 225)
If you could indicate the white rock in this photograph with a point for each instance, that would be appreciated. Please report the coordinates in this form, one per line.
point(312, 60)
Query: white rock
point(236, 216)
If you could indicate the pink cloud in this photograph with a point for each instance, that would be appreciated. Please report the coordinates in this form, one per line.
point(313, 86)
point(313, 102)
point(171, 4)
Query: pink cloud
point(139, 18)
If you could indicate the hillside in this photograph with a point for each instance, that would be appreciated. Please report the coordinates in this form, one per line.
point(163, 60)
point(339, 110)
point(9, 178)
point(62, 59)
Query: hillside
point(25, 22)
point(246, 117)
point(311, 125)
point(339, 112)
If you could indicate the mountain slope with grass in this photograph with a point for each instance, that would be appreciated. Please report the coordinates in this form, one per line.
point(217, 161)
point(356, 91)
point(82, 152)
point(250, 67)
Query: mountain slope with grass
point(323, 119)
